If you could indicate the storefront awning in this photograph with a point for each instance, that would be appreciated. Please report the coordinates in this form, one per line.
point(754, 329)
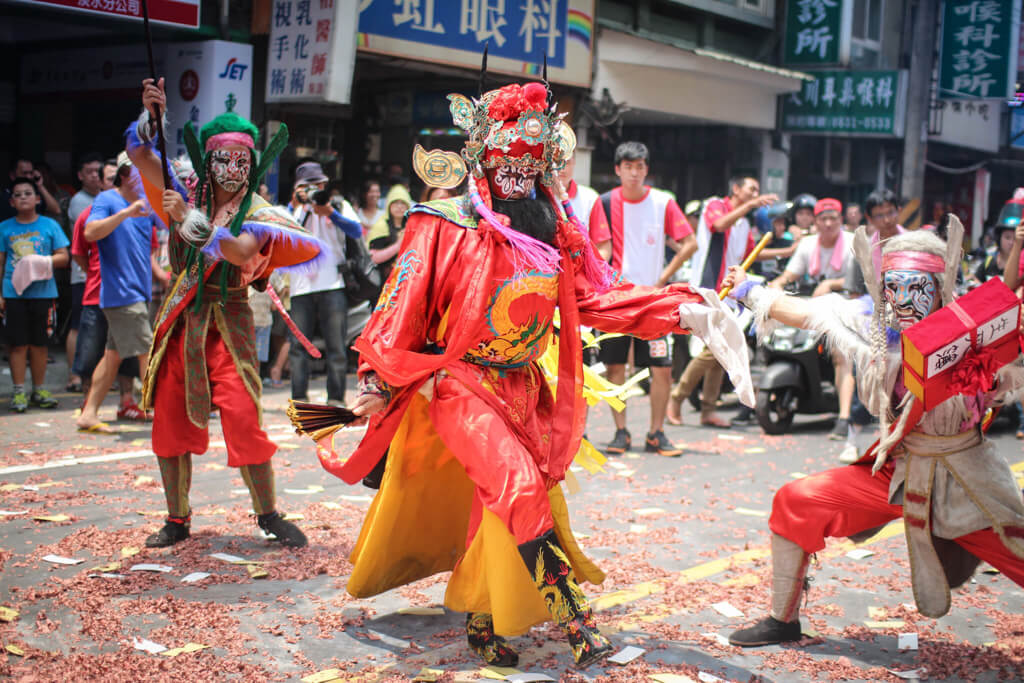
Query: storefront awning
point(692, 83)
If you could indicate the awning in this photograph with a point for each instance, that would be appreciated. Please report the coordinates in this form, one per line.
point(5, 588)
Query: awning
point(691, 83)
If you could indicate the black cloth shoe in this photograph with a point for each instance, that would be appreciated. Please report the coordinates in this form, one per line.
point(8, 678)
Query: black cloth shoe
point(768, 631)
point(553, 575)
point(287, 533)
point(171, 533)
point(491, 647)
point(840, 431)
point(621, 443)
point(658, 443)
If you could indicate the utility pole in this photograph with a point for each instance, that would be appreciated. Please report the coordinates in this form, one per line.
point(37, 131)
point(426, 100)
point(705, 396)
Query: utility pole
point(915, 141)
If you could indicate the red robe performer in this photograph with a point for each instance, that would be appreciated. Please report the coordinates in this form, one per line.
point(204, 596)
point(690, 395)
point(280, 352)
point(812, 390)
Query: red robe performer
point(476, 441)
point(934, 468)
point(224, 238)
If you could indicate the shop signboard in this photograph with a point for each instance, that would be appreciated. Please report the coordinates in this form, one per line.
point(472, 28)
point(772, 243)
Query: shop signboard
point(203, 80)
point(863, 103)
point(978, 56)
point(312, 51)
point(115, 71)
point(814, 32)
point(174, 12)
point(968, 123)
point(518, 33)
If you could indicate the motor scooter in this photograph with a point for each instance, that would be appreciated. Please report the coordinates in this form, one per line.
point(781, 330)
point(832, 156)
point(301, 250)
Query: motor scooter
point(798, 378)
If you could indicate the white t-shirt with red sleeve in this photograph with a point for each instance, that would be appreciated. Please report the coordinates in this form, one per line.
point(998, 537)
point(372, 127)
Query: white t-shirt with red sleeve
point(587, 207)
point(638, 233)
point(716, 251)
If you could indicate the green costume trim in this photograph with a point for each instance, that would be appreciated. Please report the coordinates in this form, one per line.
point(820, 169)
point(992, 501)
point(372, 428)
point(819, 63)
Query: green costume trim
point(176, 474)
point(260, 480)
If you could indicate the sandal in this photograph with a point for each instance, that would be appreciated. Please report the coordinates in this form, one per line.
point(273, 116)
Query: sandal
point(98, 428)
point(73, 387)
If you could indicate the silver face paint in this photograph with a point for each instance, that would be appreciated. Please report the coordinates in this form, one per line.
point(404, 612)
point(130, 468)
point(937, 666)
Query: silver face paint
point(910, 294)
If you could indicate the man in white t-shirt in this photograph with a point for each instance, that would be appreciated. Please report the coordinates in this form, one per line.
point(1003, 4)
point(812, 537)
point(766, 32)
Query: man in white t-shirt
point(826, 258)
point(320, 297)
point(724, 238)
point(643, 221)
point(587, 206)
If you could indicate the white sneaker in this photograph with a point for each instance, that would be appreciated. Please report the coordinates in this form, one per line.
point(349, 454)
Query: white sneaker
point(849, 455)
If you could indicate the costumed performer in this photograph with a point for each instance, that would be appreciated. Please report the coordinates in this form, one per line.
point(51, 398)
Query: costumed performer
point(476, 441)
point(934, 468)
point(223, 238)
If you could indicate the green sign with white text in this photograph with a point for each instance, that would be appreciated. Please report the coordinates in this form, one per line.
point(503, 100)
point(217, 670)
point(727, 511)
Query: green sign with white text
point(979, 48)
point(813, 32)
point(848, 102)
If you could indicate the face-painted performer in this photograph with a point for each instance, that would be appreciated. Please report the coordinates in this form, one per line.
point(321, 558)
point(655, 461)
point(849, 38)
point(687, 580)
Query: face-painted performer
point(450, 378)
point(933, 468)
point(224, 237)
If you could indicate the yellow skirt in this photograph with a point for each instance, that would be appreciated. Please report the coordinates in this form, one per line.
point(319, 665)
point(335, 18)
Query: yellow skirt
point(417, 526)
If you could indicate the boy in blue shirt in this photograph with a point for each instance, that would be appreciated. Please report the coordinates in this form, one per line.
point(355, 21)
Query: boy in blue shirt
point(31, 246)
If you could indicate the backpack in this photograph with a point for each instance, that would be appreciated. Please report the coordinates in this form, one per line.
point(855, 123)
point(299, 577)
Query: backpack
point(362, 279)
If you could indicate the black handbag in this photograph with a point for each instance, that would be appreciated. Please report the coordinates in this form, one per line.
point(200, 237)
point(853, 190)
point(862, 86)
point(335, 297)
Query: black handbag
point(362, 280)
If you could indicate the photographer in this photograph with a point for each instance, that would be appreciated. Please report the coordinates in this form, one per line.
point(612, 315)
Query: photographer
point(319, 297)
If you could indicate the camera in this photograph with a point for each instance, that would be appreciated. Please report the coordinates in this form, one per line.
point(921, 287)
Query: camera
point(321, 197)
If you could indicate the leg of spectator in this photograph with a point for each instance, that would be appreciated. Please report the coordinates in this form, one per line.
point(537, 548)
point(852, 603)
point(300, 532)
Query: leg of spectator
point(844, 385)
point(661, 385)
point(616, 374)
point(19, 360)
point(37, 361)
point(102, 379)
point(302, 314)
point(710, 392)
point(333, 314)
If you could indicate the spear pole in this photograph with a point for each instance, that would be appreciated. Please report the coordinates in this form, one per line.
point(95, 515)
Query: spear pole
point(160, 141)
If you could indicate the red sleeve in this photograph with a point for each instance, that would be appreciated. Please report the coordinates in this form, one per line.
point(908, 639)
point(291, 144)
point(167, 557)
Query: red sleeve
point(79, 245)
point(598, 221)
point(154, 243)
point(676, 225)
point(716, 208)
point(1020, 266)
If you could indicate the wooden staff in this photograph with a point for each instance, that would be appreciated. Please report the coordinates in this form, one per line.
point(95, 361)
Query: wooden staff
point(161, 143)
point(747, 262)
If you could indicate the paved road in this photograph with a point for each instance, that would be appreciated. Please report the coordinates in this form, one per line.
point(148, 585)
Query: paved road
point(676, 536)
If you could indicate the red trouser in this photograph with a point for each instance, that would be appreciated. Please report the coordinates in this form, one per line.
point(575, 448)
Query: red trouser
point(174, 434)
point(847, 500)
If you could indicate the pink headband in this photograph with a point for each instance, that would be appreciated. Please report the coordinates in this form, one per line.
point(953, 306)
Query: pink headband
point(913, 260)
point(224, 139)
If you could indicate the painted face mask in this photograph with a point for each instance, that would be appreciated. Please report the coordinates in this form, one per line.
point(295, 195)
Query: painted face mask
point(910, 294)
point(509, 182)
point(230, 168)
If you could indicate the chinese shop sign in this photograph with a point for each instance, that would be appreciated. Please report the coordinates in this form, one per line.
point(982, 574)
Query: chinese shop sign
point(813, 32)
point(848, 102)
point(518, 33)
point(312, 50)
point(979, 48)
point(174, 12)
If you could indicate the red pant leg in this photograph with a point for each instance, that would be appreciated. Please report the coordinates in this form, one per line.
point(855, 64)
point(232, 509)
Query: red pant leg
point(986, 545)
point(247, 443)
point(837, 502)
point(173, 433)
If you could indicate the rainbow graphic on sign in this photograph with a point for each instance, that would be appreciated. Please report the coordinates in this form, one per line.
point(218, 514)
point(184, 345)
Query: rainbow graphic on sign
point(362, 40)
point(580, 27)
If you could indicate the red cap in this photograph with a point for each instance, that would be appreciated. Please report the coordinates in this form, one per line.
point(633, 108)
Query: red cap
point(828, 204)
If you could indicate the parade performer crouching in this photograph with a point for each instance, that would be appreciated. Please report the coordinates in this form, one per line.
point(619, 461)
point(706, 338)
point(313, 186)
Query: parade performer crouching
point(932, 465)
point(224, 237)
point(476, 441)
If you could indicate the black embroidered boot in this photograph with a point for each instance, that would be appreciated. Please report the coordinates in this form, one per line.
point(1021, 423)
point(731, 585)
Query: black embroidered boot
point(175, 529)
point(554, 578)
point(491, 647)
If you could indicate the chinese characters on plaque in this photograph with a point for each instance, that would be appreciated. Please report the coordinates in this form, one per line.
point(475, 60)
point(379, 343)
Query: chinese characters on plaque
point(979, 46)
point(311, 51)
point(813, 32)
point(854, 102)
